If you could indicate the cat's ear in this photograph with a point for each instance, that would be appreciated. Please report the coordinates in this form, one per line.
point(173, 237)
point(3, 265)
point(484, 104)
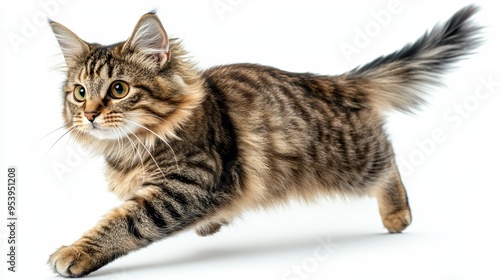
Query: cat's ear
point(149, 38)
point(71, 45)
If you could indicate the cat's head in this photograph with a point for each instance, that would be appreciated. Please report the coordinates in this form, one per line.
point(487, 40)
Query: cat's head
point(138, 89)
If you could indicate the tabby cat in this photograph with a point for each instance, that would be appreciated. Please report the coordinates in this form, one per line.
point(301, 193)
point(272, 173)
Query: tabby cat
point(188, 148)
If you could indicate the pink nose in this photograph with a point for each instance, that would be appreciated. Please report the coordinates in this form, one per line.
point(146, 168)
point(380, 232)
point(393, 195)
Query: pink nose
point(91, 116)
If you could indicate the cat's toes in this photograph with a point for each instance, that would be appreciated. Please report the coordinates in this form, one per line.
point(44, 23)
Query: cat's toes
point(397, 221)
point(71, 261)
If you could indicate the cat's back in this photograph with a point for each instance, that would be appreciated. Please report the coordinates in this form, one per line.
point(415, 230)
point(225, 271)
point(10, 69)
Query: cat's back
point(252, 92)
point(245, 78)
point(263, 99)
point(251, 84)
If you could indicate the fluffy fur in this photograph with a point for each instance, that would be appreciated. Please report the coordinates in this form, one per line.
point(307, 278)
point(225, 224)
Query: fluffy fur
point(193, 149)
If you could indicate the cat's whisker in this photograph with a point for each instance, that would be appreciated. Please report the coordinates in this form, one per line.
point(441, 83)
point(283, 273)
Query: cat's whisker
point(146, 114)
point(57, 141)
point(171, 134)
point(61, 127)
point(121, 146)
point(122, 149)
point(45, 136)
point(136, 152)
point(134, 147)
point(78, 135)
point(159, 137)
point(147, 150)
point(117, 142)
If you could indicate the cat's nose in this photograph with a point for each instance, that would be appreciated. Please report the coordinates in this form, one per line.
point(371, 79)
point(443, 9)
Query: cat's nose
point(91, 115)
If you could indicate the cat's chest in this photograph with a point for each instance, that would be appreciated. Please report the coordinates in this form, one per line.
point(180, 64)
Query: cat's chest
point(124, 183)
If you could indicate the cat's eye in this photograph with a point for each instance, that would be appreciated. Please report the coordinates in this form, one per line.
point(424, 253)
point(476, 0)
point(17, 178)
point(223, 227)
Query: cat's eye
point(79, 93)
point(118, 89)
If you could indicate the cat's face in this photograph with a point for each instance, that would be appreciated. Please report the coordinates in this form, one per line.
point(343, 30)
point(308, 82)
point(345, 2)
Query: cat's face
point(107, 97)
point(137, 88)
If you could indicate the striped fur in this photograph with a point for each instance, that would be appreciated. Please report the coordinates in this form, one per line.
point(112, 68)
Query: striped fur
point(189, 149)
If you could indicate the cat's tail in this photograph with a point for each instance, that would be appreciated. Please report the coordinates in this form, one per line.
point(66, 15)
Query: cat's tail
point(399, 80)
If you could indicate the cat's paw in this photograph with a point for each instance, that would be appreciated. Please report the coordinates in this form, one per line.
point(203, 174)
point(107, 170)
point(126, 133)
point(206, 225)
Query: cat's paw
point(72, 261)
point(397, 221)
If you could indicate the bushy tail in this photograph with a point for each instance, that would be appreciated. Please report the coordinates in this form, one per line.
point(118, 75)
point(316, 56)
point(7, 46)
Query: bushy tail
point(398, 80)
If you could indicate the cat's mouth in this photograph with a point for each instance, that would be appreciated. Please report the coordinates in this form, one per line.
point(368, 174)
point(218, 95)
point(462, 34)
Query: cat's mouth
point(103, 133)
point(115, 132)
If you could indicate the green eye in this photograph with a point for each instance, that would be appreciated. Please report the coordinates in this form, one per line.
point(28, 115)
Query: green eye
point(118, 89)
point(79, 93)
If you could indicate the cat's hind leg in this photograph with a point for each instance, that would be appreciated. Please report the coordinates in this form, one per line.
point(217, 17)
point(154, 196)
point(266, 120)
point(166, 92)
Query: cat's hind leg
point(393, 202)
point(210, 228)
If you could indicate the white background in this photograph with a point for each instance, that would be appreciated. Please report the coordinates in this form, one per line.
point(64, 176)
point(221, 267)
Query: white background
point(452, 181)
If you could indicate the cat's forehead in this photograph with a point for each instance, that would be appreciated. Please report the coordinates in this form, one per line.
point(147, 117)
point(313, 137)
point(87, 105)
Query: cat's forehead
point(94, 72)
point(100, 63)
point(99, 68)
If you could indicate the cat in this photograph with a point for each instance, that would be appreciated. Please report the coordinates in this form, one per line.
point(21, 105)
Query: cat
point(192, 149)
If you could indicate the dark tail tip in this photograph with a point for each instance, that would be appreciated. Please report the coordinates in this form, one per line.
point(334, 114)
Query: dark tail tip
point(454, 39)
point(460, 29)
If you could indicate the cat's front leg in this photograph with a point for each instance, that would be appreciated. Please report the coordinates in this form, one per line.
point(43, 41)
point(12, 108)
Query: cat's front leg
point(152, 214)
